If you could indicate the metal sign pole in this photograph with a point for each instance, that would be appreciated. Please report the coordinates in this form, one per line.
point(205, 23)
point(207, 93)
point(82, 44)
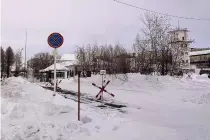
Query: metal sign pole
point(55, 40)
point(102, 87)
point(55, 71)
point(78, 96)
point(102, 72)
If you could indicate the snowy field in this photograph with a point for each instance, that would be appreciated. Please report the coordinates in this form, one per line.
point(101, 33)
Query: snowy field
point(157, 108)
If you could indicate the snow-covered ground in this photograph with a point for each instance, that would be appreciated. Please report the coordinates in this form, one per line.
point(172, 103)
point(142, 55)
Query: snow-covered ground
point(158, 108)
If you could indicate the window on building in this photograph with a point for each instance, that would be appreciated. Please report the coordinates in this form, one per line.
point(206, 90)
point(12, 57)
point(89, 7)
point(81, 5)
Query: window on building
point(60, 74)
point(205, 58)
point(182, 61)
point(182, 45)
point(186, 61)
point(176, 36)
point(182, 38)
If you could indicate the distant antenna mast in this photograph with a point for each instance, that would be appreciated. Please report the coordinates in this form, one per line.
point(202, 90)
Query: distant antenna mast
point(178, 24)
point(25, 54)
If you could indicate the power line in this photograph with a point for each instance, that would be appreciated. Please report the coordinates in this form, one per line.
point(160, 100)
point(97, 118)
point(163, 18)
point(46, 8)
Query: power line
point(143, 9)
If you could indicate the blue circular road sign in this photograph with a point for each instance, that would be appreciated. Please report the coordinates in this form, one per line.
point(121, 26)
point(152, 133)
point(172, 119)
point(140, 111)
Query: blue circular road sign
point(55, 40)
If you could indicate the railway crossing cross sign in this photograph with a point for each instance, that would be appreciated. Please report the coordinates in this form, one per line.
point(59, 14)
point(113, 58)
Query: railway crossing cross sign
point(100, 94)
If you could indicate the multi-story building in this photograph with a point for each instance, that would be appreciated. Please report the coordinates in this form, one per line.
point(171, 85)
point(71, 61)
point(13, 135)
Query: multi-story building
point(199, 49)
point(181, 43)
point(200, 59)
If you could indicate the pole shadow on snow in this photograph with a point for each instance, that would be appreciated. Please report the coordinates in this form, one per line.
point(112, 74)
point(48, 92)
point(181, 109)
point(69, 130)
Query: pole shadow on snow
point(87, 99)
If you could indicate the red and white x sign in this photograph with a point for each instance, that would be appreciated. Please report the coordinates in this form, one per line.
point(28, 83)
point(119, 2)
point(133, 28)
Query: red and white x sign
point(99, 95)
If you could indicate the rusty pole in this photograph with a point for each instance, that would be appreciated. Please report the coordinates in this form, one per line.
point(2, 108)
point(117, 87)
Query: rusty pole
point(78, 96)
point(102, 87)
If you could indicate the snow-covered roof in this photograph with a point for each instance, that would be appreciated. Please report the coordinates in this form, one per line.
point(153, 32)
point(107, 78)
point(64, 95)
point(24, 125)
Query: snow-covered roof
point(68, 60)
point(178, 29)
point(58, 67)
point(68, 57)
point(199, 52)
point(67, 63)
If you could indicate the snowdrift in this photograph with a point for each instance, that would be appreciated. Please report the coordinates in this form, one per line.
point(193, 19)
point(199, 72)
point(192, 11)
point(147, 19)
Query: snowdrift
point(158, 108)
point(134, 86)
point(29, 112)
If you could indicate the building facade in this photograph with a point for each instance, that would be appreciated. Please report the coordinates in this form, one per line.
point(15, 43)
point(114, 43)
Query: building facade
point(70, 62)
point(181, 43)
point(200, 59)
point(61, 71)
point(65, 67)
point(199, 49)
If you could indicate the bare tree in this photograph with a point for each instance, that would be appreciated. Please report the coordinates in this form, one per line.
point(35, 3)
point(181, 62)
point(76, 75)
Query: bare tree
point(154, 51)
point(176, 58)
point(18, 62)
point(9, 60)
point(81, 57)
point(143, 57)
point(40, 61)
point(95, 52)
point(3, 61)
point(121, 59)
point(112, 59)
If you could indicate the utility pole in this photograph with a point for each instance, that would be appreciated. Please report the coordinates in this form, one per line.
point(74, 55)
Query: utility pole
point(178, 24)
point(25, 65)
point(21, 57)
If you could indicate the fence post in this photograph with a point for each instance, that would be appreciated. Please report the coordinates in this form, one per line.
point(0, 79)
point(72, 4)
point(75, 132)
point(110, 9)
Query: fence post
point(78, 95)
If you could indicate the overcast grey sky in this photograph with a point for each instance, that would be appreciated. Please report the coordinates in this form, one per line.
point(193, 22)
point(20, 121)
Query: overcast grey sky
point(92, 21)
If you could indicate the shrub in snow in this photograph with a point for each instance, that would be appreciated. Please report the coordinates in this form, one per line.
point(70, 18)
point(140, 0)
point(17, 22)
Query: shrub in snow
point(86, 120)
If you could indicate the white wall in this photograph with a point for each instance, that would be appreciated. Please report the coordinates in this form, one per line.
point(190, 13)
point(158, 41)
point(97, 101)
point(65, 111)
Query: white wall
point(181, 34)
point(65, 75)
point(72, 68)
point(178, 35)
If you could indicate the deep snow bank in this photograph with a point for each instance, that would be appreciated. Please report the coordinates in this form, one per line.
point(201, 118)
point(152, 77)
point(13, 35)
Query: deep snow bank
point(130, 88)
point(29, 112)
point(13, 87)
point(168, 108)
